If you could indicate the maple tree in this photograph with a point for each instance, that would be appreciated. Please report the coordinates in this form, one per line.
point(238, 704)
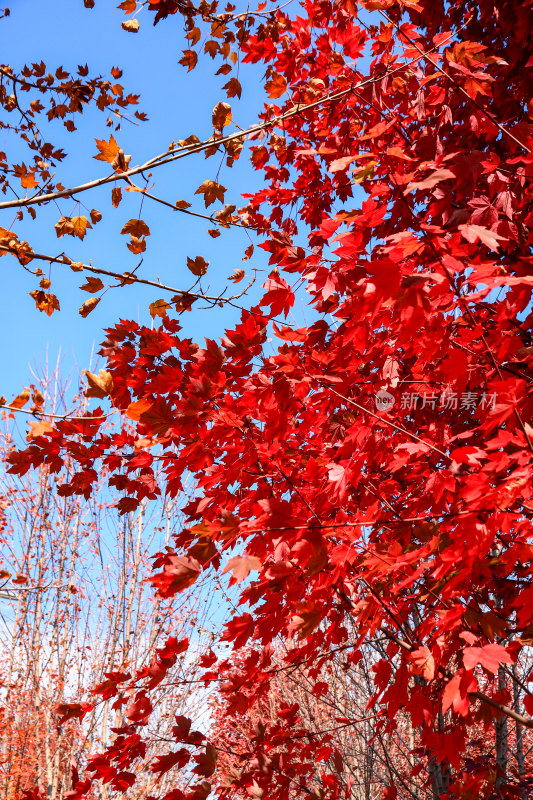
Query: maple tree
point(76, 614)
point(367, 477)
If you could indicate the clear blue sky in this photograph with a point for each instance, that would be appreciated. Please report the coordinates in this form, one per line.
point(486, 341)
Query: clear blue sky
point(177, 103)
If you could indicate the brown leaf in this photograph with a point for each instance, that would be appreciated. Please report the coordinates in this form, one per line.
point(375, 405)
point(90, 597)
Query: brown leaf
point(233, 88)
point(99, 385)
point(108, 150)
point(214, 233)
point(194, 36)
point(93, 285)
point(248, 252)
point(76, 266)
point(38, 398)
point(89, 306)
point(158, 308)
point(95, 216)
point(206, 763)
point(211, 191)
point(221, 115)
point(116, 196)
point(131, 25)
point(183, 302)
point(182, 204)
point(198, 266)
point(237, 276)
point(128, 6)
point(189, 59)
point(211, 47)
point(63, 227)
point(136, 227)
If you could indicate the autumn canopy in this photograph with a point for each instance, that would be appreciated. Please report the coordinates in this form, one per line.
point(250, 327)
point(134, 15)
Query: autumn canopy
point(362, 470)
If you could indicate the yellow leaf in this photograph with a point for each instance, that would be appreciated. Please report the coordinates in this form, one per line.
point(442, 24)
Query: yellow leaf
point(89, 306)
point(99, 385)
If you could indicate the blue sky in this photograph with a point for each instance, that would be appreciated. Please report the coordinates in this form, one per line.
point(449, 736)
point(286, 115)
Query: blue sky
point(178, 104)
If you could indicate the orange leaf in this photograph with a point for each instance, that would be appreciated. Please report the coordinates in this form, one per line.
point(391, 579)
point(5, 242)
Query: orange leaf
point(158, 308)
point(21, 399)
point(136, 409)
point(45, 302)
point(241, 567)
point(423, 663)
point(136, 227)
point(39, 429)
point(108, 150)
point(276, 86)
point(28, 180)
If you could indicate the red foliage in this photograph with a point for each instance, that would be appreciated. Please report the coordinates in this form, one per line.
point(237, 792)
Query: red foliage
point(411, 520)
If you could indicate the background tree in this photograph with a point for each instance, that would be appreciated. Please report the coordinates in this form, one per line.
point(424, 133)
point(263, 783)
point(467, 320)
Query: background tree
point(76, 612)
